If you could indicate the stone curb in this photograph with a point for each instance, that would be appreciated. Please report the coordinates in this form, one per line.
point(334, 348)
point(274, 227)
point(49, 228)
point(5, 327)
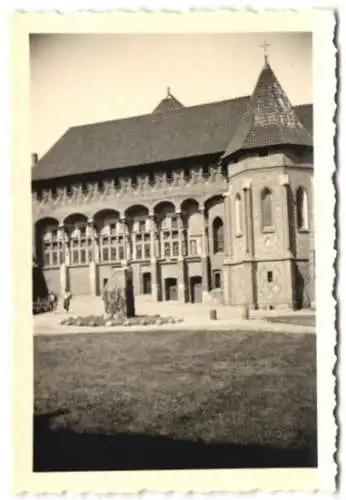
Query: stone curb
point(260, 326)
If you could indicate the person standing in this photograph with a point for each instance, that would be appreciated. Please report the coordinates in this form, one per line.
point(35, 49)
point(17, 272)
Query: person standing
point(67, 300)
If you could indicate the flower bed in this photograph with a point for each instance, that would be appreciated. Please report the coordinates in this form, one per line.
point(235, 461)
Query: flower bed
point(96, 321)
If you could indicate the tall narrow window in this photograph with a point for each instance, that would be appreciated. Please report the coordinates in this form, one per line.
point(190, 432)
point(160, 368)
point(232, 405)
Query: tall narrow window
point(218, 235)
point(238, 224)
point(80, 245)
point(141, 239)
point(169, 237)
point(109, 242)
point(267, 209)
point(302, 209)
point(53, 242)
point(217, 279)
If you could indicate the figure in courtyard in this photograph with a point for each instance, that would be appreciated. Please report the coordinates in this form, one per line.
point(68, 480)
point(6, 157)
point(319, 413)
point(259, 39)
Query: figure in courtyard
point(67, 299)
point(53, 301)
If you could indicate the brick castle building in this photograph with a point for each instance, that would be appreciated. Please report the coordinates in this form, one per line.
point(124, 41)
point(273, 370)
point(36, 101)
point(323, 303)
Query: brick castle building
point(208, 201)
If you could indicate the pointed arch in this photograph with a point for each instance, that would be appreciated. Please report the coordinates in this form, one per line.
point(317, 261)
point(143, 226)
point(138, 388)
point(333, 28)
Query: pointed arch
point(267, 208)
point(218, 235)
point(238, 215)
point(79, 247)
point(48, 242)
point(302, 209)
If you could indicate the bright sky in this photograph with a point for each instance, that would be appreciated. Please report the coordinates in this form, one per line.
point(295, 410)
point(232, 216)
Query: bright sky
point(78, 79)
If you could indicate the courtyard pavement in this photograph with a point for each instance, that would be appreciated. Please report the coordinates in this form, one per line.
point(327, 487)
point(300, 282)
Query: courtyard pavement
point(195, 316)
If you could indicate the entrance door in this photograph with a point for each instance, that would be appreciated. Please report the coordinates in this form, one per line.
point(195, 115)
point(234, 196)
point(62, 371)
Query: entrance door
point(146, 280)
point(196, 289)
point(171, 292)
point(299, 289)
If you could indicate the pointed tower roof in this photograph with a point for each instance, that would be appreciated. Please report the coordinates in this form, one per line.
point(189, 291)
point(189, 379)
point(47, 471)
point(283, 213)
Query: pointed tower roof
point(169, 103)
point(269, 119)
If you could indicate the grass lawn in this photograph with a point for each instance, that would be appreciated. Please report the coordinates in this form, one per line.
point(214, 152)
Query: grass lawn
point(165, 400)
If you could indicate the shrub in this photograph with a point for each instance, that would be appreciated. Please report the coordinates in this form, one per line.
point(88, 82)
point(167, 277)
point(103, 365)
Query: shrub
point(114, 301)
point(97, 321)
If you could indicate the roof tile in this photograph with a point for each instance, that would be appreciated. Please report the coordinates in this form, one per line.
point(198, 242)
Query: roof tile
point(162, 136)
point(269, 119)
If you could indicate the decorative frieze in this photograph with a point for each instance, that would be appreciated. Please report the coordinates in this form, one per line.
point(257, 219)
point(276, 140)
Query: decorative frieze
point(162, 185)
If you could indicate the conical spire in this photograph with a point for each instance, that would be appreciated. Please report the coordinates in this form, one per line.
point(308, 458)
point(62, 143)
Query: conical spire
point(169, 103)
point(269, 120)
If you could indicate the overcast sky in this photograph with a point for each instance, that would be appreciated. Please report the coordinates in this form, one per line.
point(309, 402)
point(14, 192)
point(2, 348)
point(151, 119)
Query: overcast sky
point(78, 79)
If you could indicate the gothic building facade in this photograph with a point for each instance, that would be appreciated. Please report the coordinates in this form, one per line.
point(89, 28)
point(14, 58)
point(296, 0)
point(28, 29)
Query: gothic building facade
point(202, 202)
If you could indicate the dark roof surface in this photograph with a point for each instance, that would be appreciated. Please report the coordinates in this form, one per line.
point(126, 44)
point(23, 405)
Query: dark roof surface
point(269, 119)
point(142, 140)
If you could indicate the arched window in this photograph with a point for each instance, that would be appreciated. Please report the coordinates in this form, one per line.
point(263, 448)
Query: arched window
point(111, 241)
point(238, 224)
point(53, 246)
point(302, 209)
point(218, 235)
point(108, 241)
point(169, 236)
point(141, 239)
point(50, 247)
point(80, 245)
point(267, 209)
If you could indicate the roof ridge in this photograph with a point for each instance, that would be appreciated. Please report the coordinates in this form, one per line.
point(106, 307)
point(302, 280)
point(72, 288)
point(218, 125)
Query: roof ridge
point(184, 108)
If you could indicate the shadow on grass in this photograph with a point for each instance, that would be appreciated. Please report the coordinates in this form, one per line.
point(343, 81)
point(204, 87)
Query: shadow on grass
point(66, 450)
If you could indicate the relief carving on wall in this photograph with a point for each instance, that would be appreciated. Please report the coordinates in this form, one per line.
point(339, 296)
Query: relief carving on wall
point(196, 176)
point(143, 184)
point(162, 185)
point(125, 186)
point(178, 178)
point(160, 181)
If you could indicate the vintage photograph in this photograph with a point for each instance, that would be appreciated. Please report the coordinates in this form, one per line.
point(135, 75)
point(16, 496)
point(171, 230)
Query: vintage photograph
point(173, 266)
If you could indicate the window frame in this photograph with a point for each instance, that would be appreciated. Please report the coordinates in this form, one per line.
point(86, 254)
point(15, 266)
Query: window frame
point(267, 192)
point(238, 216)
point(302, 210)
point(218, 240)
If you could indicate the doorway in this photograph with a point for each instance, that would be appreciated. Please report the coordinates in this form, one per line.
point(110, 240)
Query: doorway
point(146, 283)
point(171, 292)
point(196, 289)
point(299, 288)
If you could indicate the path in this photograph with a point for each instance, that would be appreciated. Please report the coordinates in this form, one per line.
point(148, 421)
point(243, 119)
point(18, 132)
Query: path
point(195, 316)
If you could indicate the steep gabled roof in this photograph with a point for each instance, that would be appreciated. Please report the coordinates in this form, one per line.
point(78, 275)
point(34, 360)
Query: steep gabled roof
point(169, 103)
point(142, 140)
point(269, 119)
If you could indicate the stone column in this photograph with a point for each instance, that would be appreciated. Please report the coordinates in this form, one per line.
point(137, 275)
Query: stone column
point(64, 266)
point(204, 259)
point(181, 279)
point(204, 242)
point(289, 275)
point(180, 230)
point(91, 233)
point(226, 284)
point(228, 228)
point(249, 268)
point(284, 183)
point(248, 218)
point(127, 241)
point(155, 288)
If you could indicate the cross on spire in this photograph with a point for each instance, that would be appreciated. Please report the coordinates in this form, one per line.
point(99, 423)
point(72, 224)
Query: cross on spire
point(168, 91)
point(265, 46)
